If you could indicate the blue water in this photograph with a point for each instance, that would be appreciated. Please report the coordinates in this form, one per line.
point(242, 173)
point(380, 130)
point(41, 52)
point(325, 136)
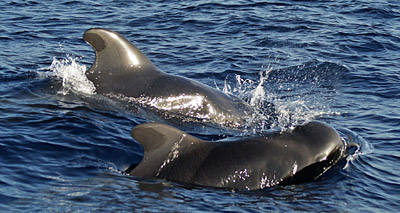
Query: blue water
point(63, 147)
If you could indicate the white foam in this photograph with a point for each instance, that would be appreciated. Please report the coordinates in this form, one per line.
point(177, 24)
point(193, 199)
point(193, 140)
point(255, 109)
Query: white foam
point(289, 110)
point(72, 75)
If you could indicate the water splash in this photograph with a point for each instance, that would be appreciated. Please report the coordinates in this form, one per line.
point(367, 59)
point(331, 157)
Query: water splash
point(72, 75)
point(254, 93)
point(277, 104)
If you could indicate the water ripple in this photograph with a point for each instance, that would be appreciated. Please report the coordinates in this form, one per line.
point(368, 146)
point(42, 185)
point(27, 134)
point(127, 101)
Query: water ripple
point(63, 149)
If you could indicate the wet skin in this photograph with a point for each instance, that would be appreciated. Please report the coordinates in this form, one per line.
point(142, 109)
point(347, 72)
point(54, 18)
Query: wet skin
point(252, 162)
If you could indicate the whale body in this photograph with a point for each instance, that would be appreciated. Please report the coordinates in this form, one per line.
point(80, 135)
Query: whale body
point(251, 162)
point(122, 70)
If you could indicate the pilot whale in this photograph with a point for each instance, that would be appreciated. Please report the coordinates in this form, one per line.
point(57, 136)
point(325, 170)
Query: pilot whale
point(252, 162)
point(122, 70)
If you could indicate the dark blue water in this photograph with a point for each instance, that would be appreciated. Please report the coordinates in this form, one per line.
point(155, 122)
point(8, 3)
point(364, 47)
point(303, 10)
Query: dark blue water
point(63, 147)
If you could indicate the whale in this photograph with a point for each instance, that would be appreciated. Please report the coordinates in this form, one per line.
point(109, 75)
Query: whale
point(239, 163)
point(121, 70)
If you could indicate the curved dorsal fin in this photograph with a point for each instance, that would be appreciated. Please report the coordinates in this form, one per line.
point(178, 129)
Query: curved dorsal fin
point(157, 140)
point(115, 56)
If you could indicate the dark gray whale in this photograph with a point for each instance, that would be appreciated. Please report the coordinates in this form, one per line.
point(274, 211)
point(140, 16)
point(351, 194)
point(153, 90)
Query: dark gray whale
point(121, 70)
point(252, 162)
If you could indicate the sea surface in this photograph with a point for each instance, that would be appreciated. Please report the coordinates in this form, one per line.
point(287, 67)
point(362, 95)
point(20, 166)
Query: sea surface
point(64, 148)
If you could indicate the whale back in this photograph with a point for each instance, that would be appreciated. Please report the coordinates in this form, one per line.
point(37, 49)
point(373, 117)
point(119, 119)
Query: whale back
point(117, 61)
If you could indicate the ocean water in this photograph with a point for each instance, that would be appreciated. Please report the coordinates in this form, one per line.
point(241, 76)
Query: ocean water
point(63, 147)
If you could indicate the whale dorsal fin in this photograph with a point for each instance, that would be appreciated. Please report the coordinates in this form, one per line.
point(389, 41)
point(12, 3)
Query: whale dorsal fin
point(115, 56)
point(158, 140)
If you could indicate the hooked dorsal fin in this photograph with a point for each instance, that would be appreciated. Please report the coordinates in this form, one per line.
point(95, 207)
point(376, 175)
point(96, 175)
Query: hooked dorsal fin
point(115, 56)
point(158, 141)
